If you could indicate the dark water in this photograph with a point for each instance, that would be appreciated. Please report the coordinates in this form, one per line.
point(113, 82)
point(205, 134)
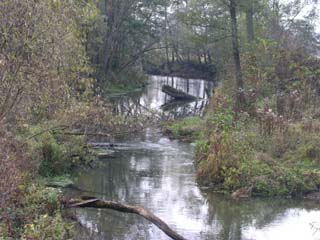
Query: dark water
point(157, 173)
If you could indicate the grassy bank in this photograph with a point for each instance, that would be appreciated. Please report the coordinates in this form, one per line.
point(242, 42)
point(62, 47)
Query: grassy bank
point(187, 129)
point(242, 157)
point(270, 149)
point(247, 157)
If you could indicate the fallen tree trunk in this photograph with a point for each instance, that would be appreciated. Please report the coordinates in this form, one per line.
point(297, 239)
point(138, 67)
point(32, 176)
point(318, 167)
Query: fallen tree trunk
point(177, 94)
point(96, 203)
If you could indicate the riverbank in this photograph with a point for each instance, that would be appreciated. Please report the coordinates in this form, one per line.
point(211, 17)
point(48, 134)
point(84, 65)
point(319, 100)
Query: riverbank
point(188, 129)
point(270, 149)
point(121, 83)
point(39, 160)
point(120, 90)
point(258, 158)
point(30, 209)
point(237, 157)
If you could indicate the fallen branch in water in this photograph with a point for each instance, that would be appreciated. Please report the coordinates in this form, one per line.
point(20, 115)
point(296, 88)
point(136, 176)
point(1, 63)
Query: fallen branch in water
point(87, 134)
point(177, 94)
point(101, 134)
point(96, 203)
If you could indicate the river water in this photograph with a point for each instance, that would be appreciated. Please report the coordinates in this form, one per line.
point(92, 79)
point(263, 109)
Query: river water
point(151, 170)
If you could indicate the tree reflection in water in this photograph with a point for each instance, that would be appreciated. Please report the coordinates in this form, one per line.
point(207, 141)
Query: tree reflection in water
point(153, 99)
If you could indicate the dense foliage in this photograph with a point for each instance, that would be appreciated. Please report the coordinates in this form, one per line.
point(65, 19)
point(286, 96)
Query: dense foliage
point(59, 58)
point(42, 57)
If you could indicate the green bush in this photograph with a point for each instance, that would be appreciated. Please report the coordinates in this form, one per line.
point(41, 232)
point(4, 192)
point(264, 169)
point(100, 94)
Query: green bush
point(54, 157)
point(38, 215)
point(44, 210)
point(54, 152)
point(186, 129)
point(41, 200)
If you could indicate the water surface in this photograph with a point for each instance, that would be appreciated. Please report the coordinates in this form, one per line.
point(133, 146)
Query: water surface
point(153, 99)
point(153, 171)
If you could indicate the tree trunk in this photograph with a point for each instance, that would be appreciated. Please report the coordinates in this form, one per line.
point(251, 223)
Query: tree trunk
point(209, 57)
point(205, 56)
point(116, 12)
point(199, 58)
point(166, 39)
point(96, 203)
point(249, 20)
point(236, 55)
point(172, 56)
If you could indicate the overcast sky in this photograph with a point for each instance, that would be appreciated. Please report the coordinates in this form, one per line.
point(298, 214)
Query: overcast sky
point(307, 9)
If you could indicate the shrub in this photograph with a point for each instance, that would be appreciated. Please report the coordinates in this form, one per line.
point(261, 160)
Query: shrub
point(185, 129)
point(54, 161)
point(47, 227)
point(55, 152)
point(238, 152)
point(43, 211)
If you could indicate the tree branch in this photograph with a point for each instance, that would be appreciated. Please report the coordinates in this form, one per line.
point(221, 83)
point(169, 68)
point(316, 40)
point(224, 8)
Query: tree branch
point(96, 203)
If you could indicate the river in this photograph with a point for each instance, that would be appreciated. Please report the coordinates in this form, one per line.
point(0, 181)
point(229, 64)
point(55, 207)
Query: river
point(150, 170)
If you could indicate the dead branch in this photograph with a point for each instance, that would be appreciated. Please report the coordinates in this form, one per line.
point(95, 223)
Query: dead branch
point(177, 94)
point(96, 203)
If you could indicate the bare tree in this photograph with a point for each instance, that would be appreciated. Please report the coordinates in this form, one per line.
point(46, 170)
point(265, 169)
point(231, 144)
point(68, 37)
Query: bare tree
point(241, 101)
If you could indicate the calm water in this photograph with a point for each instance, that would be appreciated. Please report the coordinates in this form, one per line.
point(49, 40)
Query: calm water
point(153, 99)
point(157, 173)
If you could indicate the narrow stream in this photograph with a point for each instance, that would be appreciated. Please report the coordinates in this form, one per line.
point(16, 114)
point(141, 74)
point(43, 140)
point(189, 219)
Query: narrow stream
point(153, 171)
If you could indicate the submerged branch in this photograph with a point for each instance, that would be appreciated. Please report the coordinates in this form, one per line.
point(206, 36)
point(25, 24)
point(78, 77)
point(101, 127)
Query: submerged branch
point(101, 134)
point(96, 203)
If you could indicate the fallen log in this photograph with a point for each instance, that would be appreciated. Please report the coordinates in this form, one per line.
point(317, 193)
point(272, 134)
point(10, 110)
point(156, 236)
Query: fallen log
point(177, 94)
point(96, 203)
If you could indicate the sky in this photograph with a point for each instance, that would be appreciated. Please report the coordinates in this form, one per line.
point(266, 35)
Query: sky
point(306, 9)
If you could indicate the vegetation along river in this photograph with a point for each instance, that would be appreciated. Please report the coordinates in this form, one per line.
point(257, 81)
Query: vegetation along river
point(151, 170)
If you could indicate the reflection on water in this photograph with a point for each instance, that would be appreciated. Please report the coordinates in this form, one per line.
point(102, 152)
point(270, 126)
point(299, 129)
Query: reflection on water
point(153, 99)
point(157, 173)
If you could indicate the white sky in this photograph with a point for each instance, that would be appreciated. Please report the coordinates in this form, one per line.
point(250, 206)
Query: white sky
point(305, 10)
